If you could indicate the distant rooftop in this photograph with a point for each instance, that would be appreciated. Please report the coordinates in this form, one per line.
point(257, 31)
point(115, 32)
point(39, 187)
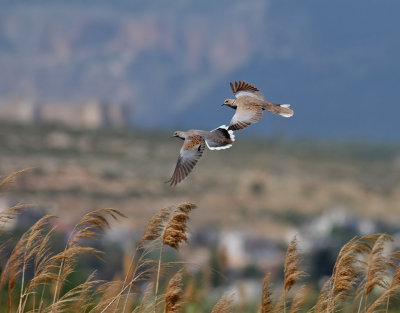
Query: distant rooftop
point(83, 114)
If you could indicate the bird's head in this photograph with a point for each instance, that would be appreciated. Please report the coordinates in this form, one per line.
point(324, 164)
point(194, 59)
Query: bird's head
point(178, 134)
point(229, 103)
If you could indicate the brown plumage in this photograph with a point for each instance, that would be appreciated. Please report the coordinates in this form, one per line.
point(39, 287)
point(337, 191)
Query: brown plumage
point(249, 106)
point(193, 147)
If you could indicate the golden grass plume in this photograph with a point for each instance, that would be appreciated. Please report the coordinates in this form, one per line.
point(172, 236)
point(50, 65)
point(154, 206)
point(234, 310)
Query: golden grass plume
point(173, 295)
point(223, 305)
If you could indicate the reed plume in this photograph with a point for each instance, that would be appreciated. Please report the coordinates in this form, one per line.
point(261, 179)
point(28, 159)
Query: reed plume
point(71, 298)
point(377, 266)
point(292, 274)
point(292, 270)
point(155, 226)
point(266, 296)
point(87, 228)
point(146, 301)
point(173, 296)
point(298, 300)
point(175, 230)
point(22, 255)
point(342, 280)
point(384, 298)
point(10, 213)
point(223, 305)
point(7, 181)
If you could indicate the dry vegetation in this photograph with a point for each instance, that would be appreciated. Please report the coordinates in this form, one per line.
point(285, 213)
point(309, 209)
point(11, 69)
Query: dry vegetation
point(265, 183)
point(365, 277)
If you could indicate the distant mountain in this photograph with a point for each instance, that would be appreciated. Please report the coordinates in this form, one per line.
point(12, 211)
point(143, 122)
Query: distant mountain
point(336, 62)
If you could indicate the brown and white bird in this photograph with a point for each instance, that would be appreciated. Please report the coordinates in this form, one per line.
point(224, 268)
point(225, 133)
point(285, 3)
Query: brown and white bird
point(194, 144)
point(250, 104)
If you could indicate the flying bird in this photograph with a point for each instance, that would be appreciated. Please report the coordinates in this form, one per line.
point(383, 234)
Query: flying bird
point(250, 104)
point(194, 144)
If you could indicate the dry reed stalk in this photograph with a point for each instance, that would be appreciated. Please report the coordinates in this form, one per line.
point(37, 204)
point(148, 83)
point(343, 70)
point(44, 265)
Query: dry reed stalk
point(155, 226)
point(7, 181)
point(152, 232)
point(266, 297)
point(10, 213)
point(88, 227)
point(190, 294)
point(174, 232)
point(145, 274)
point(346, 273)
point(342, 280)
point(298, 300)
point(384, 298)
point(23, 253)
point(173, 296)
point(223, 305)
point(146, 301)
point(292, 274)
point(377, 266)
point(110, 291)
point(323, 298)
point(85, 295)
point(292, 270)
point(76, 295)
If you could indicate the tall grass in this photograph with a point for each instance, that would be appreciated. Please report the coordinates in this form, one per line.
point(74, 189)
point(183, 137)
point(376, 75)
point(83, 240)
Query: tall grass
point(365, 277)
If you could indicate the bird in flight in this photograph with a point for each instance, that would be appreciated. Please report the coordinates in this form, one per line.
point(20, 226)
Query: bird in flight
point(194, 144)
point(250, 104)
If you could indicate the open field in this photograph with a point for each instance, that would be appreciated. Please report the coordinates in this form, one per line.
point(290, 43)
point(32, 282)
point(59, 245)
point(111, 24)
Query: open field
point(252, 200)
point(257, 184)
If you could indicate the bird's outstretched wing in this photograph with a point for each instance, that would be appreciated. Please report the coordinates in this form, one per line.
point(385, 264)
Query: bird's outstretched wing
point(246, 114)
point(242, 88)
point(190, 153)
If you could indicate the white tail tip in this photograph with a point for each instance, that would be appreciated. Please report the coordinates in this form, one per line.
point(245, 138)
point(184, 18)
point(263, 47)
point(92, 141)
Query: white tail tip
point(218, 148)
point(286, 114)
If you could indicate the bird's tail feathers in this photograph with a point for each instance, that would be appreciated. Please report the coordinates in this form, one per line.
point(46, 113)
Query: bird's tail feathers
point(224, 140)
point(280, 109)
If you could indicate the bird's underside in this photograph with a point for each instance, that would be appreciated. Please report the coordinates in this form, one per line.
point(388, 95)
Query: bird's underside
point(249, 105)
point(193, 147)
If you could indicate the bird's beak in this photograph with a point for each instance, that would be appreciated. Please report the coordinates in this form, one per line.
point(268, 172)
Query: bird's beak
point(222, 104)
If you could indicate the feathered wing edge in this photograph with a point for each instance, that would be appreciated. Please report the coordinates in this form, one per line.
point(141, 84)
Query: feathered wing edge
point(185, 164)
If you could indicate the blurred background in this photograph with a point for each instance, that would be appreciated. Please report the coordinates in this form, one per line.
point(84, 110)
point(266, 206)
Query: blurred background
point(91, 91)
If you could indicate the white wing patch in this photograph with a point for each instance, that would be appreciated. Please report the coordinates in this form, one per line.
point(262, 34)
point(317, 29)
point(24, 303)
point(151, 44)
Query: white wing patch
point(231, 137)
point(218, 148)
point(254, 94)
point(285, 114)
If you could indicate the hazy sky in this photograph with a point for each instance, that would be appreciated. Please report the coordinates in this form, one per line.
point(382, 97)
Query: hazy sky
point(336, 62)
